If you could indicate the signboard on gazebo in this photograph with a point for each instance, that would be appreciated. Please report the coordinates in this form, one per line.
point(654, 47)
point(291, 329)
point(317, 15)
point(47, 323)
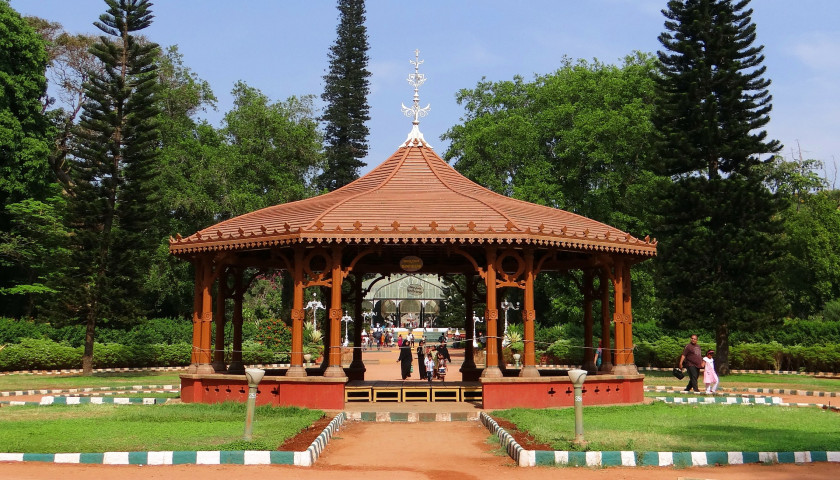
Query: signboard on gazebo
point(411, 263)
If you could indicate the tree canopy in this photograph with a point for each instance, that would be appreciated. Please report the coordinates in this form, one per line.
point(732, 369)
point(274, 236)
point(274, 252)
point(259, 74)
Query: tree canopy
point(345, 91)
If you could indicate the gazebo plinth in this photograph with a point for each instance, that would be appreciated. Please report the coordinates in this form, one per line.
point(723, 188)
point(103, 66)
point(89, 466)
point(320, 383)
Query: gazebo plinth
point(326, 393)
point(558, 391)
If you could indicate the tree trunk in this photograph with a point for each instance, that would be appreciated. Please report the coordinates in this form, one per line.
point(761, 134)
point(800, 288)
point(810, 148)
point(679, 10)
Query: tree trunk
point(722, 349)
point(87, 357)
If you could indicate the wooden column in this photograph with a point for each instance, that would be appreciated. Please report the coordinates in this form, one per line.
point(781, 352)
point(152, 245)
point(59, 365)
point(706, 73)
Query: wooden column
point(529, 316)
point(204, 356)
point(618, 315)
point(219, 348)
point(468, 367)
point(357, 366)
point(630, 361)
point(623, 334)
point(236, 365)
point(296, 368)
point(588, 299)
point(491, 317)
point(606, 349)
point(198, 266)
point(334, 359)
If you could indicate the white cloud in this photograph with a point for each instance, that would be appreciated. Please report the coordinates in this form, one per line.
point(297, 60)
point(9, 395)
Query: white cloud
point(818, 51)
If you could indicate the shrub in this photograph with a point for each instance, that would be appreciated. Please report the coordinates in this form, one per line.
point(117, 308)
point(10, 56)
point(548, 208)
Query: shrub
point(39, 354)
point(565, 353)
point(12, 330)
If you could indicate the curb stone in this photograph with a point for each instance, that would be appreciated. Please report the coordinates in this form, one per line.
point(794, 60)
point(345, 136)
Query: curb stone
point(777, 391)
point(96, 390)
point(531, 458)
point(92, 400)
point(214, 457)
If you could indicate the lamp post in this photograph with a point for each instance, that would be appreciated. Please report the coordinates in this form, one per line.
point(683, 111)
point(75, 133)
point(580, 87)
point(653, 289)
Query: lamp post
point(578, 376)
point(346, 319)
point(507, 306)
point(314, 305)
point(254, 375)
point(476, 319)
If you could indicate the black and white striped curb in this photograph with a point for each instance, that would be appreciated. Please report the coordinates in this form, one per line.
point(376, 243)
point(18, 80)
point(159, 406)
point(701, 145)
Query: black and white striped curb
point(531, 458)
point(216, 457)
point(96, 390)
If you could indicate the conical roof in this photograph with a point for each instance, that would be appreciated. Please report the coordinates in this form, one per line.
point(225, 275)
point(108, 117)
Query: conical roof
point(414, 197)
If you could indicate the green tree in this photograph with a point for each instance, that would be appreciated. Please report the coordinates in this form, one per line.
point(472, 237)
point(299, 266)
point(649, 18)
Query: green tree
point(274, 150)
point(70, 66)
point(345, 92)
point(719, 230)
point(24, 142)
point(190, 149)
point(112, 210)
point(579, 139)
point(36, 247)
point(811, 265)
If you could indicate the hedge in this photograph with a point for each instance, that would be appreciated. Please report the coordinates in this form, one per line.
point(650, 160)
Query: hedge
point(749, 356)
point(43, 354)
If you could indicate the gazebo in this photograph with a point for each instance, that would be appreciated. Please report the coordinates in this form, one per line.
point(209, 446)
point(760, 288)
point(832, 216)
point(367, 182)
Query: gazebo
point(412, 213)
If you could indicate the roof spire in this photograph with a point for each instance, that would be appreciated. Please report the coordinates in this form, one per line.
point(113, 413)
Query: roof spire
point(415, 138)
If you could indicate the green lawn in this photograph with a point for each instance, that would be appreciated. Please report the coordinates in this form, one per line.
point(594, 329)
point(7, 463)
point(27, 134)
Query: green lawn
point(682, 428)
point(751, 380)
point(107, 428)
point(33, 382)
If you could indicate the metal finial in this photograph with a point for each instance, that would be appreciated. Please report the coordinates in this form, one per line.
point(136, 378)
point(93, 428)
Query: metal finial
point(415, 80)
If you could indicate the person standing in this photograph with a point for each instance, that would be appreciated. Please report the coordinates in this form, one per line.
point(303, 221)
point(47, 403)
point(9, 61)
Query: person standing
point(428, 366)
point(693, 360)
point(421, 358)
point(405, 360)
point(444, 351)
point(710, 377)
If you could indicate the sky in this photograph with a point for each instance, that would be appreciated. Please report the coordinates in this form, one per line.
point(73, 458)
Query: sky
point(281, 46)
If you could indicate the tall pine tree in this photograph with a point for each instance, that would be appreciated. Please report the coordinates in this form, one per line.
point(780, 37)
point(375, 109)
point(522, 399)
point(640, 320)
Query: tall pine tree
point(112, 210)
point(719, 232)
point(345, 93)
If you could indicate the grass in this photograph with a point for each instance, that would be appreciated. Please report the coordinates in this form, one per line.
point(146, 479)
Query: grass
point(113, 379)
point(104, 428)
point(751, 380)
point(681, 428)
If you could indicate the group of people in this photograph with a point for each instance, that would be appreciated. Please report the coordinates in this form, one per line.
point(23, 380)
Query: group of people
point(431, 360)
point(693, 360)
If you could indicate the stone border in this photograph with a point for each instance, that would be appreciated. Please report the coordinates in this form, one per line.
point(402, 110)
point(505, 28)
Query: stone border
point(49, 400)
point(743, 400)
point(97, 390)
point(213, 457)
point(782, 391)
point(531, 458)
point(722, 400)
point(764, 372)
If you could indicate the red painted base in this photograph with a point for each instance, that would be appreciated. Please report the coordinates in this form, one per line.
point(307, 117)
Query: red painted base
point(547, 392)
point(325, 393)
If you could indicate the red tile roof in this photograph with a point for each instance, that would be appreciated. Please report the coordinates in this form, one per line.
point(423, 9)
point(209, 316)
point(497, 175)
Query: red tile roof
point(413, 197)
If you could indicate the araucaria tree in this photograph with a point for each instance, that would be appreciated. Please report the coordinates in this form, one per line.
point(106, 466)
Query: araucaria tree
point(345, 92)
point(112, 206)
point(719, 228)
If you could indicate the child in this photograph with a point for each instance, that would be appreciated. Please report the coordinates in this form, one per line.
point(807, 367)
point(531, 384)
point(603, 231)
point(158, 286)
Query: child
point(710, 378)
point(430, 366)
point(441, 367)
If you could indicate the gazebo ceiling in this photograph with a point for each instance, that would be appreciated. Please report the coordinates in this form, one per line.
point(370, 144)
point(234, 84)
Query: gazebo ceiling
point(414, 197)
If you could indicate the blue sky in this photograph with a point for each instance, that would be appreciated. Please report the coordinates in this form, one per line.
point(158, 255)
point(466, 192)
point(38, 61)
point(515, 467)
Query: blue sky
point(281, 48)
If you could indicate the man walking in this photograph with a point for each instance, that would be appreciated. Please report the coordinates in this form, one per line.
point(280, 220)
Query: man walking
point(694, 360)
